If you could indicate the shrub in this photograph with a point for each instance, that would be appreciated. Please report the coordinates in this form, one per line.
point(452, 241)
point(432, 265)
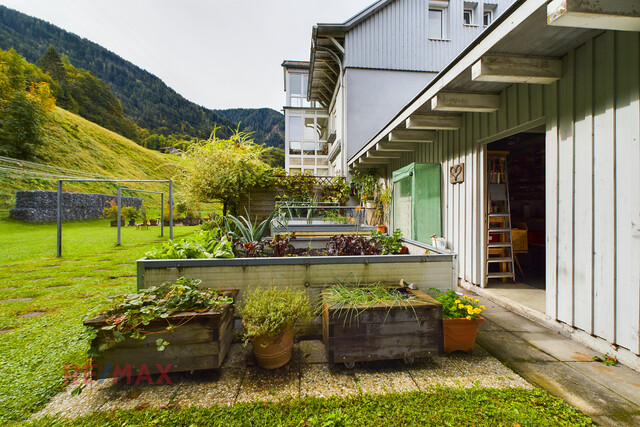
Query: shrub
point(269, 312)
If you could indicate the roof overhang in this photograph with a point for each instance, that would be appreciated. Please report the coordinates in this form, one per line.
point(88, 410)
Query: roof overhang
point(519, 47)
point(327, 54)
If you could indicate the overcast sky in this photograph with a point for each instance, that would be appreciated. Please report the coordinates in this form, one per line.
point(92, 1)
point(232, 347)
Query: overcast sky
point(219, 54)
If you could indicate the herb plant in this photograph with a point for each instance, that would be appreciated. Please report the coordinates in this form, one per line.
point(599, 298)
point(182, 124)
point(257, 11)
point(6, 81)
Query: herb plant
point(350, 301)
point(455, 306)
point(389, 244)
point(131, 313)
point(267, 312)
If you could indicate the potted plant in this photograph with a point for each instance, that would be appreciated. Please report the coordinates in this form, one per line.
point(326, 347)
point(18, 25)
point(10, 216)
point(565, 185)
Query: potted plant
point(177, 323)
point(111, 211)
point(130, 214)
point(143, 215)
point(268, 317)
point(460, 320)
point(384, 206)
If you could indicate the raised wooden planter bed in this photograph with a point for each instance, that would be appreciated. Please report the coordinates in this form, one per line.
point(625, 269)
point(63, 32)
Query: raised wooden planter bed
point(379, 333)
point(201, 342)
point(313, 273)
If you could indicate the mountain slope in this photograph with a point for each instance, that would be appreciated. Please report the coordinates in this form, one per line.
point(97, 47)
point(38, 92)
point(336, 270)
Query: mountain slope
point(75, 143)
point(145, 98)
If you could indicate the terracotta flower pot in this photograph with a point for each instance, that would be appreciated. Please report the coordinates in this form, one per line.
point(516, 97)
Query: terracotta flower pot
point(382, 228)
point(460, 334)
point(272, 354)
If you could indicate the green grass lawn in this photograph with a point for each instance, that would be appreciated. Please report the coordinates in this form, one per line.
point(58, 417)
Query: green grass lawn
point(439, 407)
point(33, 350)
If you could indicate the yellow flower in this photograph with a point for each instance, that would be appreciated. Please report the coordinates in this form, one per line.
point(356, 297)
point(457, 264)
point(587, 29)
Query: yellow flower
point(470, 310)
point(461, 306)
point(477, 311)
point(468, 317)
point(482, 307)
point(457, 301)
point(469, 306)
point(476, 300)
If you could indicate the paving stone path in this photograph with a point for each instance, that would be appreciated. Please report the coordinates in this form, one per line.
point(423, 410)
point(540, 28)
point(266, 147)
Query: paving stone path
point(308, 374)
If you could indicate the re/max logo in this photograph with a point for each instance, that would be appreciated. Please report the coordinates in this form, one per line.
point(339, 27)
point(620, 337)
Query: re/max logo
point(87, 374)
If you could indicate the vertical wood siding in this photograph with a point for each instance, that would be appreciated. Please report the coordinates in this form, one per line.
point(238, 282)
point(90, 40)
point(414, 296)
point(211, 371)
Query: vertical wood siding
point(592, 184)
point(396, 37)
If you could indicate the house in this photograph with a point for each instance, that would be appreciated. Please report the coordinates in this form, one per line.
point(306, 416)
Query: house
point(307, 124)
point(362, 71)
point(553, 88)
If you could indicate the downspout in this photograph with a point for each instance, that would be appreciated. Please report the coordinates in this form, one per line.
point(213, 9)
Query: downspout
point(344, 108)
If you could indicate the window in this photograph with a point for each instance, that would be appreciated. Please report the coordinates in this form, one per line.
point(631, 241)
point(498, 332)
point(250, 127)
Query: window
point(488, 14)
point(438, 28)
point(467, 16)
point(487, 18)
point(436, 24)
point(295, 127)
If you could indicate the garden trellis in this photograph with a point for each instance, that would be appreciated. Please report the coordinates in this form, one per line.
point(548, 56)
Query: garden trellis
point(59, 203)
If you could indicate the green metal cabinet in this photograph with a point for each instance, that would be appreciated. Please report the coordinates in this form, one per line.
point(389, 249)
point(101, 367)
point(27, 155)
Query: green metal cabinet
point(416, 205)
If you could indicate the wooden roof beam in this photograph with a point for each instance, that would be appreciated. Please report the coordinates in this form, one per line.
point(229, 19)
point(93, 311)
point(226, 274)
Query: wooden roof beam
point(372, 162)
point(371, 154)
point(465, 102)
point(516, 69)
point(395, 147)
point(412, 136)
point(620, 15)
point(434, 122)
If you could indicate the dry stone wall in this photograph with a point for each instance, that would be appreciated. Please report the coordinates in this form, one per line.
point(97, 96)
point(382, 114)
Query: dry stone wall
point(41, 206)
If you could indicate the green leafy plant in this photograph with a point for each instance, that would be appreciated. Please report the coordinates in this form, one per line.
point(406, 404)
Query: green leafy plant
point(605, 360)
point(385, 201)
point(367, 185)
point(205, 244)
point(456, 306)
point(267, 312)
point(248, 231)
point(132, 312)
point(390, 244)
point(111, 211)
point(129, 213)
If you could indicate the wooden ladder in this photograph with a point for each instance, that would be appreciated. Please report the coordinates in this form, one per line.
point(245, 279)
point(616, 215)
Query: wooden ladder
point(499, 244)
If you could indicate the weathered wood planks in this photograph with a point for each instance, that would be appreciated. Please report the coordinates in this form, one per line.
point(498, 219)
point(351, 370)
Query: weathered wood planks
point(201, 342)
point(379, 333)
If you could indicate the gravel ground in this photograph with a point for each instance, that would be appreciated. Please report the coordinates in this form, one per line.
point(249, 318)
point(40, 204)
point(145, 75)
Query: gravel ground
point(308, 374)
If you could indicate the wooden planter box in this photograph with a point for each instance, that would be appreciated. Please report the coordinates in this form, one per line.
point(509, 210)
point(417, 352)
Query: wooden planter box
point(380, 334)
point(201, 342)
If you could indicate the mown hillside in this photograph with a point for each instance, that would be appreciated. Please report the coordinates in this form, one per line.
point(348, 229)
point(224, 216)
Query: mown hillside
point(72, 142)
point(145, 98)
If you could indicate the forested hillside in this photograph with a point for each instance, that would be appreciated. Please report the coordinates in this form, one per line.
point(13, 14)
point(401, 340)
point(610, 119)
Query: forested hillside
point(145, 98)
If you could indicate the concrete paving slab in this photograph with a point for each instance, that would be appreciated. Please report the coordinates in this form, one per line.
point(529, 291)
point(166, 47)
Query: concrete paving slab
point(575, 388)
point(323, 380)
point(508, 346)
point(489, 325)
point(270, 385)
point(620, 379)
point(382, 377)
point(513, 322)
point(313, 351)
point(617, 420)
point(558, 346)
point(220, 388)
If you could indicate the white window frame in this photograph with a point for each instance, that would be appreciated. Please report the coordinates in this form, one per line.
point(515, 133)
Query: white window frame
point(489, 9)
point(472, 9)
point(442, 7)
